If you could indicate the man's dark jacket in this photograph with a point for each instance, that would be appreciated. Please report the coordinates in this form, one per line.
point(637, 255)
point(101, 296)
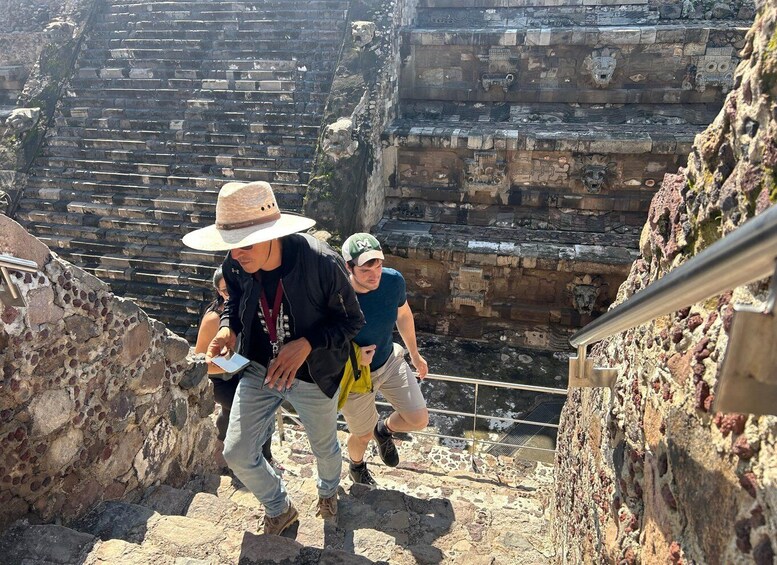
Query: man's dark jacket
point(323, 306)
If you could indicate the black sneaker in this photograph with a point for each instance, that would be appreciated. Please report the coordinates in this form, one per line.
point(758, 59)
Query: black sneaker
point(361, 475)
point(386, 448)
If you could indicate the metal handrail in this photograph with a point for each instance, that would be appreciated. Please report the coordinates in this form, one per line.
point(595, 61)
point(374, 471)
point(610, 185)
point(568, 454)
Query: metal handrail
point(9, 293)
point(477, 383)
point(745, 255)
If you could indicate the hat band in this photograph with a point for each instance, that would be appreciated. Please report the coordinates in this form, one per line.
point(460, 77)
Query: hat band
point(248, 223)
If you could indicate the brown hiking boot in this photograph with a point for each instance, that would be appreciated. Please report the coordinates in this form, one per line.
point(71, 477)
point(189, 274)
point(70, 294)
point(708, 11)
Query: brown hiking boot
point(275, 526)
point(327, 508)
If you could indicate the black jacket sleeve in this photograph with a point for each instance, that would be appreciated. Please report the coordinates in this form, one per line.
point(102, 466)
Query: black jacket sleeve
point(230, 317)
point(344, 317)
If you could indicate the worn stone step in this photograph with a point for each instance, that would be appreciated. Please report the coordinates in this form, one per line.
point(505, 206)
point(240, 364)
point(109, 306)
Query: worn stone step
point(111, 139)
point(660, 116)
point(536, 16)
point(233, 158)
point(553, 247)
point(86, 103)
point(24, 543)
point(309, 50)
point(183, 167)
point(631, 138)
point(549, 4)
point(202, 110)
point(290, 166)
point(235, 124)
point(217, 90)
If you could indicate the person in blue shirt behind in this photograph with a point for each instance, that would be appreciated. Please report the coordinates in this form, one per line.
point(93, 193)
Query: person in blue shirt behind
point(383, 300)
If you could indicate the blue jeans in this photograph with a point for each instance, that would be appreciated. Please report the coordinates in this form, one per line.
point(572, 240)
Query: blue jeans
point(251, 424)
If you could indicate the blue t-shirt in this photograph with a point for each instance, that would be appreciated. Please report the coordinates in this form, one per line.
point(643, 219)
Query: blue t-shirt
point(380, 310)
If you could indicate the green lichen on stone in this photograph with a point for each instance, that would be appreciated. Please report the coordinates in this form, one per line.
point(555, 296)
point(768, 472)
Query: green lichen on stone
point(708, 231)
point(769, 64)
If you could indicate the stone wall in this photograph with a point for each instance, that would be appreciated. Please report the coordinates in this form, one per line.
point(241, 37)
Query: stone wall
point(347, 189)
point(38, 39)
point(646, 472)
point(97, 401)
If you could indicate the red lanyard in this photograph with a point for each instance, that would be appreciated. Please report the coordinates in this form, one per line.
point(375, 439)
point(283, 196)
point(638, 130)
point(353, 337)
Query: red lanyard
point(271, 316)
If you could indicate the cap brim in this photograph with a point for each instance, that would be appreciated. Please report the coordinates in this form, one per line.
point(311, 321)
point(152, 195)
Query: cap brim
point(369, 256)
point(213, 239)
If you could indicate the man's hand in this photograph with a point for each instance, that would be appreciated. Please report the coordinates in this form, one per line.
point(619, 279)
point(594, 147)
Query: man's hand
point(420, 365)
point(224, 342)
point(366, 353)
point(283, 369)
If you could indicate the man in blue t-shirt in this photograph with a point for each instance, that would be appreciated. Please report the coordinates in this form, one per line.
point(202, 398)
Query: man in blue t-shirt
point(382, 298)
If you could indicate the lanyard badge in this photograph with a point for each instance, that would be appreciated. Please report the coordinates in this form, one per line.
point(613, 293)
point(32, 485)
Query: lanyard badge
point(274, 322)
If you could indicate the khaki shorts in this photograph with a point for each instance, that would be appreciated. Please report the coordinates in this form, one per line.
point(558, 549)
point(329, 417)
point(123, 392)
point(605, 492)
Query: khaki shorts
point(396, 382)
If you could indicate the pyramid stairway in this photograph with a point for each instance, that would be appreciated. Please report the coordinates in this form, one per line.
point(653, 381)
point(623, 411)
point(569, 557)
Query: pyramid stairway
point(169, 100)
point(531, 138)
point(432, 509)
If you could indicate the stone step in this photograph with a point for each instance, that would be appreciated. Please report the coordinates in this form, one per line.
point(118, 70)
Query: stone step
point(111, 139)
point(282, 153)
point(183, 86)
point(172, 65)
point(216, 90)
point(127, 71)
point(217, 39)
point(526, 16)
point(243, 121)
point(196, 109)
point(626, 139)
point(85, 104)
point(450, 113)
point(293, 166)
point(257, 21)
point(522, 14)
point(307, 50)
point(585, 65)
point(552, 246)
point(611, 5)
point(308, 102)
point(286, 193)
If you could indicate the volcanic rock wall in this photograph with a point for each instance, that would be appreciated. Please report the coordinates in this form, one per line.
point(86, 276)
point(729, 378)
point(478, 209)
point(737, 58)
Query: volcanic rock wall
point(646, 472)
point(97, 400)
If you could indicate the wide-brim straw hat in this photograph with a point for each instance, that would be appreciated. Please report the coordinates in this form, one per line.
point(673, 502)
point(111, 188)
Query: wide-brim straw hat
point(246, 213)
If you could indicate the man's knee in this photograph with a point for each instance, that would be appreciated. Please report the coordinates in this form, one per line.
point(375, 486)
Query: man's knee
point(418, 419)
point(362, 440)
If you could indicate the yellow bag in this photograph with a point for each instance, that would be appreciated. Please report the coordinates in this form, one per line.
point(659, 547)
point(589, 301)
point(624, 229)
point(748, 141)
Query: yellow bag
point(358, 381)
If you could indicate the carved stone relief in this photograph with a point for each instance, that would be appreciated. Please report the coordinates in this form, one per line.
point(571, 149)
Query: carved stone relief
point(716, 68)
point(408, 211)
point(410, 175)
point(585, 290)
point(338, 139)
point(21, 120)
point(503, 81)
point(468, 288)
point(601, 64)
point(485, 168)
point(59, 31)
point(595, 172)
point(362, 33)
point(549, 171)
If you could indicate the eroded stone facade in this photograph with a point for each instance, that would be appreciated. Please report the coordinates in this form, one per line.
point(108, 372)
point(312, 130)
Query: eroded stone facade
point(97, 400)
point(647, 472)
point(530, 141)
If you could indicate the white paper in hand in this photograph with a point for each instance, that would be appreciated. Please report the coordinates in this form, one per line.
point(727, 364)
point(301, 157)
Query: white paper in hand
point(231, 363)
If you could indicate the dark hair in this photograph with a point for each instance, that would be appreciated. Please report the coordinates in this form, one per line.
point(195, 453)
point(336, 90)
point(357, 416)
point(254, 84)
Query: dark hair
point(218, 302)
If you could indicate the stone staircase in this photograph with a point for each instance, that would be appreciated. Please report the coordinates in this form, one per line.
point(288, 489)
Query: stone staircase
point(432, 509)
point(531, 139)
point(170, 100)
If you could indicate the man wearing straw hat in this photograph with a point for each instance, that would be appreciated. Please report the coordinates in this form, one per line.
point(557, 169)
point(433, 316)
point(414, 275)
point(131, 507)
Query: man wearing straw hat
point(293, 308)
